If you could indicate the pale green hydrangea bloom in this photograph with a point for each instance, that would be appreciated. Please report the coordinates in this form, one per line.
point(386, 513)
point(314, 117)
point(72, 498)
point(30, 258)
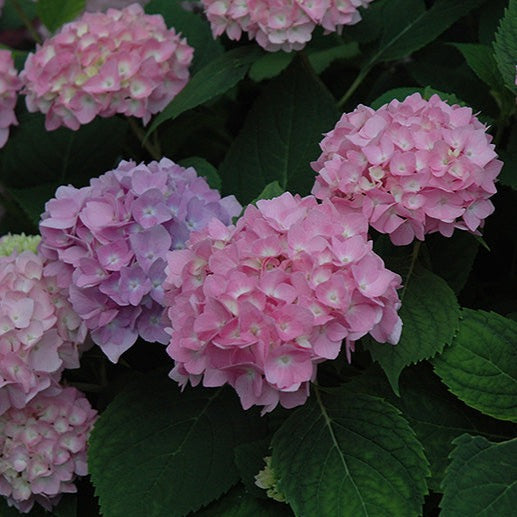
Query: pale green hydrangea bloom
point(266, 479)
point(10, 243)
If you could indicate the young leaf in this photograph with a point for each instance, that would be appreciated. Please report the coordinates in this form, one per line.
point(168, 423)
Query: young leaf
point(435, 415)
point(480, 367)
point(349, 454)
point(408, 26)
point(157, 452)
point(430, 315)
point(205, 169)
point(54, 13)
point(192, 26)
point(216, 78)
point(505, 46)
point(280, 136)
point(481, 479)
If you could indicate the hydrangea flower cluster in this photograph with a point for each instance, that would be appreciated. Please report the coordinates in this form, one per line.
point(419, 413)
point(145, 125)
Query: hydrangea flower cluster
point(10, 83)
point(414, 167)
point(121, 61)
point(280, 24)
point(19, 243)
point(40, 334)
point(108, 243)
point(258, 305)
point(43, 448)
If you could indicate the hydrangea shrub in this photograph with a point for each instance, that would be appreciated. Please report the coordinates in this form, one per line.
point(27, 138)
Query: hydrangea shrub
point(315, 220)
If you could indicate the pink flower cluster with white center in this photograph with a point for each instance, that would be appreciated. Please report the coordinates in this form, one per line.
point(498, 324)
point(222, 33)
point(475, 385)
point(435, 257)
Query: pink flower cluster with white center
point(414, 167)
point(108, 242)
point(43, 448)
point(9, 85)
point(40, 333)
point(258, 305)
point(280, 24)
point(121, 61)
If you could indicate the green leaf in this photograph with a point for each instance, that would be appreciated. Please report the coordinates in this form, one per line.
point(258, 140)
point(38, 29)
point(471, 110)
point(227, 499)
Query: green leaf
point(481, 60)
point(430, 314)
point(54, 13)
point(270, 191)
point(402, 92)
point(349, 454)
point(481, 479)
point(453, 258)
point(157, 452)
point(270, 65)
point(249, 458)
point(320, 60)
point(480, 367)
point(505, 46)
point(32, 199)
point(205, 169)
point(34, 156)
point(408, 26)
point(280, 136)
point(216, 78)
point(435, 415)
point(508, 174)
point(192, 26)
point(67, 507)
point(239, 504)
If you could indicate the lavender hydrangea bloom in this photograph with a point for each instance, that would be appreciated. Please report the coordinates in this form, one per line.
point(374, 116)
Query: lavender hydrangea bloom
point(107, 243)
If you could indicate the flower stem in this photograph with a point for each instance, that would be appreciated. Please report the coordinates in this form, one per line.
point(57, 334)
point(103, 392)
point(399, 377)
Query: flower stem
point(26, 21)
point(152, 148)
point(353, 87)
point(414, 257)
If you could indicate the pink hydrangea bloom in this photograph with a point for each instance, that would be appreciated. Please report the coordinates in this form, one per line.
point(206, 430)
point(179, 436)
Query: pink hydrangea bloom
point(258, 305)
point(108, 243)
point(43, 447)
point(414, 167)
point(40, 333)
point(9, 85)
point(280, 24)
point(121, 61)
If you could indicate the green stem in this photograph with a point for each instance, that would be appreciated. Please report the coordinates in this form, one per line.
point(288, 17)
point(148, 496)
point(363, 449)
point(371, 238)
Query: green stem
point(26, 21)
point(152, 148)
point(353, 87)
point(414, 257)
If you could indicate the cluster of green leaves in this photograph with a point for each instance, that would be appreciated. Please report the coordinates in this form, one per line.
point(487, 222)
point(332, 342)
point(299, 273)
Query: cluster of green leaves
point(402, 430)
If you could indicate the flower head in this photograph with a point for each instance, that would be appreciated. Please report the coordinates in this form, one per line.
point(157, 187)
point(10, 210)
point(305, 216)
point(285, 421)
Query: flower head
point(414, 167)
point(259, 305)
point(280, 24)
point(40, 334)
point(43, 447)
point(18, 243)
point(9, 85)
point(107, 243)
point(121, 61)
